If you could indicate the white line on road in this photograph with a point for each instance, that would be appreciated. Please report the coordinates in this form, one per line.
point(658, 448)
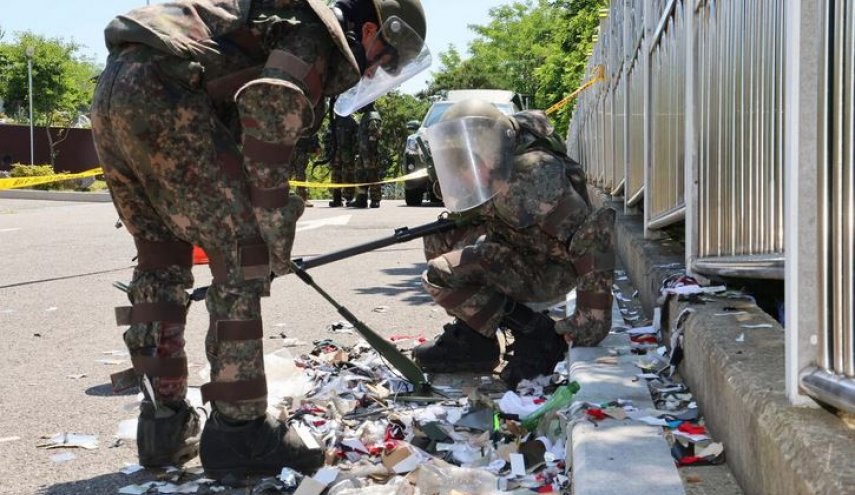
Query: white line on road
point(316, 224)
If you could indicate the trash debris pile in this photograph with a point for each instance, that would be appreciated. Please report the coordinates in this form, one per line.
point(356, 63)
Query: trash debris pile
point(468, 437)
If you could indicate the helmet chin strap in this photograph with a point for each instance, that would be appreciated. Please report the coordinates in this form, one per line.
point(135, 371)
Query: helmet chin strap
point(354, 39)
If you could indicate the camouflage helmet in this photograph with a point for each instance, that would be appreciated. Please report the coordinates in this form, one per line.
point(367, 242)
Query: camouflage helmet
point(409, 11)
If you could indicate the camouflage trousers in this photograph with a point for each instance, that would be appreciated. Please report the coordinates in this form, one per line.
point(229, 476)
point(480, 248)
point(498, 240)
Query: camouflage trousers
point(343, 171)
point(299, 162)
point(474, 277)
point(175, 176)
point(369, 171)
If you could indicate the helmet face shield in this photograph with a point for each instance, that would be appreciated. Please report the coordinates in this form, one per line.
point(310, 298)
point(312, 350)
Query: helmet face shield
point(402, 55)
point(473, 159)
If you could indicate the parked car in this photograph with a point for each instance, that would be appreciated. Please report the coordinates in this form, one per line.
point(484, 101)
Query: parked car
point(417, 149)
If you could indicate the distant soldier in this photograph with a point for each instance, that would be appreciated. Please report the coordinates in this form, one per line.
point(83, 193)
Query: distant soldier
point(370, 162)
point(304, 150)
point(343, 160)
point(533, 237)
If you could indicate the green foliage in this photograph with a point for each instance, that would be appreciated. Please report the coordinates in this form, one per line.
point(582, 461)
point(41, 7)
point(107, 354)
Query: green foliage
point(537, 48)
point(20, 170)
point(63, 80)
point(397, 109)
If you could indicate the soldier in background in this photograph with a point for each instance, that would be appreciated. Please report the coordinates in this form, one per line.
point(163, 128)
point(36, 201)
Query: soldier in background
point(343, 133)
point(194, 119)
point(306, 148)
point(531, 237)
point(370, 163)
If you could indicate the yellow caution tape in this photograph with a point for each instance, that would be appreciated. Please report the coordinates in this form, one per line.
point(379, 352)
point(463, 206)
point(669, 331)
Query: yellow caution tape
point(599, 75)
point(334, 185)
point(17, 182)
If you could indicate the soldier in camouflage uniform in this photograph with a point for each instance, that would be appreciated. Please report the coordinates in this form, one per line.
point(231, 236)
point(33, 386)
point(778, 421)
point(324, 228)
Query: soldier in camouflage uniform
point(343, 160)
point(306, 148)
point(369, 162)
point(532, 242)
point(195, 118)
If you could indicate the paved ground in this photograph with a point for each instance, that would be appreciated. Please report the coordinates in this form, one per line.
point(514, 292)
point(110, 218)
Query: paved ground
point(56, 323)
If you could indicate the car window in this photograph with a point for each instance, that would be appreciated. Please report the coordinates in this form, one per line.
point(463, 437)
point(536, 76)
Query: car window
point(506, 108)
point(435, 113)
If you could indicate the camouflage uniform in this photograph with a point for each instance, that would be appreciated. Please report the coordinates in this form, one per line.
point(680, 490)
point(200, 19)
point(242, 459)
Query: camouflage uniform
point(370, 162)
point(304, 150)
point(533, 243)
point(343, 161)
point(194, 118)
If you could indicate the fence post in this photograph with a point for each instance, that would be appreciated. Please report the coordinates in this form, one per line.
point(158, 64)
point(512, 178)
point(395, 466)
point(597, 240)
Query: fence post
point(802, 38)
point(691, 156)
point(650, 20)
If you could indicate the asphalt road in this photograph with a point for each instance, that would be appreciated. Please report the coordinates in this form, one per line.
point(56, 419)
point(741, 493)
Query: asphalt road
point(57, 324)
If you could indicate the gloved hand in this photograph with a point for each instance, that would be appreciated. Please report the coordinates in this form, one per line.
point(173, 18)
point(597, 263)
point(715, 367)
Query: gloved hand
point(278, 227)
point(586, 327)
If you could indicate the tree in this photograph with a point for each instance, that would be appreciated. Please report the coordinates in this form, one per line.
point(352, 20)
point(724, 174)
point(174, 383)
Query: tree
point(63, 82)
point(535, 48)
point(397, 109)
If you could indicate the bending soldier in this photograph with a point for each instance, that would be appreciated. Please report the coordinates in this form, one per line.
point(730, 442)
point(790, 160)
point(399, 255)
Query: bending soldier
point(369, 164)
point(182, 172)
point(534, 237)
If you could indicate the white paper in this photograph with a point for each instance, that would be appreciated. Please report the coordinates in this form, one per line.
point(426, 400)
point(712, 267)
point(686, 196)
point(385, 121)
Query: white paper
point(355, 444)
point(694, 289)
point(517, 465)
point(131, 469)
point(307, 437)
point(650, 330)
point(64, 457)
point(326, 475)
point(511, 403)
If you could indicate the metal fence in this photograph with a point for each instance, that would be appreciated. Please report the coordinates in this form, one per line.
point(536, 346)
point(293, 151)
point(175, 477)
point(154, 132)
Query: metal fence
point(697, 103)
point(668, 153)
point(739, 106)
point(833, 379)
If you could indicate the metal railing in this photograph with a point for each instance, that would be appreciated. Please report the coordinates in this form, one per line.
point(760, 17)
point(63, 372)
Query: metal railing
point(668, 103)
point(833, 378)
point(739, 106)
point(702, 85)
point(635, 155)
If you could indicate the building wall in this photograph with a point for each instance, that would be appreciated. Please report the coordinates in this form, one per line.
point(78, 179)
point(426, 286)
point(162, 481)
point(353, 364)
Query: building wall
point(76, 153)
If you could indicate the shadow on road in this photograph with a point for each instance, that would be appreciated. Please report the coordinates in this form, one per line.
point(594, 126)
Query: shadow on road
point(106, 390)
point(409, 290)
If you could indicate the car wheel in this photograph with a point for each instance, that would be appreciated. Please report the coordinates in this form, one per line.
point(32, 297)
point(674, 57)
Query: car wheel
point(413, 197)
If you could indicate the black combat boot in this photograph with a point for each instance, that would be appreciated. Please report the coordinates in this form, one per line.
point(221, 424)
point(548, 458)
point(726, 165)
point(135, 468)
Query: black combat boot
point(458, 348)
point(168, 435)
point(536, 349)
point(360, 201)
point(375, 203)
point(260, 446)
point(336, 199)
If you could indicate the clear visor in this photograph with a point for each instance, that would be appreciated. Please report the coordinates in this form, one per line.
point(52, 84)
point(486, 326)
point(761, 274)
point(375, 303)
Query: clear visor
point(403, 55)
point(473, 159)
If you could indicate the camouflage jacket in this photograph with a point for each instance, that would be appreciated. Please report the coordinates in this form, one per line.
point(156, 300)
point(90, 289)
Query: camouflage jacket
point(370, 126)
point(546, 201)
point(219, 38)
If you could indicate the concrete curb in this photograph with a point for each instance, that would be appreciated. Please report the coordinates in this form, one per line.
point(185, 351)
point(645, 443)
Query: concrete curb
point(90, 197)
point(615, 457)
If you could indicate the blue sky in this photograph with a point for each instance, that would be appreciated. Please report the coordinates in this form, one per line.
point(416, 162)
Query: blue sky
point(84, 21)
